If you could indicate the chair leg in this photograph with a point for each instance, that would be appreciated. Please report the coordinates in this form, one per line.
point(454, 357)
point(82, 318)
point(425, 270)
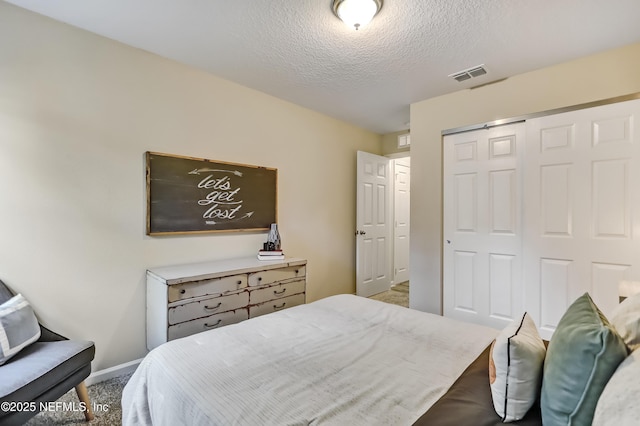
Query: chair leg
point(83, 396)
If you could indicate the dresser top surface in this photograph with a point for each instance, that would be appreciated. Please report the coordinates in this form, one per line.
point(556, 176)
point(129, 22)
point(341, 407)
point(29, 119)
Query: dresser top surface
point(177, 274)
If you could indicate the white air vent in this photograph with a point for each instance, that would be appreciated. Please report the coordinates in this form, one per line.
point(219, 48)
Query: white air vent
point(476, 71)
point(404, 140)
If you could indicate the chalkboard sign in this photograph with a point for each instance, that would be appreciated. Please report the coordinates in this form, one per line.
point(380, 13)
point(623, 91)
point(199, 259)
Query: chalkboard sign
point(189, 195)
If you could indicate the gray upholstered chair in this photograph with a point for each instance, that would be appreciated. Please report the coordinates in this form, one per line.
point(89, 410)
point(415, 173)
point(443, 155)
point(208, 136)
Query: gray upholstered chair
point(43, 372)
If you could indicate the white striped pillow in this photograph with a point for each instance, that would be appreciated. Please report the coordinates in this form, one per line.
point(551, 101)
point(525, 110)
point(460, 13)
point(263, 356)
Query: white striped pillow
point(18, 327)
point(515, 368)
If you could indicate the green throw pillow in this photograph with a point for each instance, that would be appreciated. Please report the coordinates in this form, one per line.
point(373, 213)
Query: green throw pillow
point(583, 354)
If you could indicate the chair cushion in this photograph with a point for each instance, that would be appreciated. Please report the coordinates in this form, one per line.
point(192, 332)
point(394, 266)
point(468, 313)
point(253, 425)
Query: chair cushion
point(41, 366)
point(583, 354)
point(18, 327)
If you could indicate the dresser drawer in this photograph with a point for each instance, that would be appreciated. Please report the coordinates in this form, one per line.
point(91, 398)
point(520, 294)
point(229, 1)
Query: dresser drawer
point(276, 305)
point(206, 307)
point(276, 291)
point(208, 323)
point(275, 275)
point(202, 288)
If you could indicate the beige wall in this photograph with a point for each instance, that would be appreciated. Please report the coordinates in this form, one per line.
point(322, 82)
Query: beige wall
point(606, 75)
point(77, 113)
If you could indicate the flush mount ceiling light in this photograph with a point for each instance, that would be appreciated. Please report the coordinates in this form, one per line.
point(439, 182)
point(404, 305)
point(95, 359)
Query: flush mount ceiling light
point(356, 13)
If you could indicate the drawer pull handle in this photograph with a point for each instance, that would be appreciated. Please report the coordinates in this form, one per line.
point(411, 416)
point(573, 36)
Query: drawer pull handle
point(297, 272)
point(239, 282)
point(212, 325)
point(277, 308)
point(279, 292)
point(183, 291)
point(212, 308)
point(259, 278)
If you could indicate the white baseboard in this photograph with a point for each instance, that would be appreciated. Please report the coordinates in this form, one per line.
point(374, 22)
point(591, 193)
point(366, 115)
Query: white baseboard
point(111, 372)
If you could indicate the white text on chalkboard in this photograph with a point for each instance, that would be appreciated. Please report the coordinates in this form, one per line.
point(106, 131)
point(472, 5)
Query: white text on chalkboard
point(221, 200)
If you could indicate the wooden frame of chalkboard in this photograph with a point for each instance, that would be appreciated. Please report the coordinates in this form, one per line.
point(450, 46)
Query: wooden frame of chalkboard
point(196, 195)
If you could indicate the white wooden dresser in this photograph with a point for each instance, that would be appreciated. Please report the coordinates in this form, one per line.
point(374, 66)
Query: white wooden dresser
point(188, 299)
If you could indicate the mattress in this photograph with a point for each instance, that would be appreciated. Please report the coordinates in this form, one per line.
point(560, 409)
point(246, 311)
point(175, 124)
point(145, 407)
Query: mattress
point(340, 360)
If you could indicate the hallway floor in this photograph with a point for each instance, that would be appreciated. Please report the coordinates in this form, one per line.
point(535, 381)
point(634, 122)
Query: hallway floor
point(397, 294)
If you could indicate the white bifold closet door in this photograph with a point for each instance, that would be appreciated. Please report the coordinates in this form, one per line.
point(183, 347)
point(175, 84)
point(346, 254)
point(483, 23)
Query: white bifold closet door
point(582, 209)
point(482, 225)
point(533, 224)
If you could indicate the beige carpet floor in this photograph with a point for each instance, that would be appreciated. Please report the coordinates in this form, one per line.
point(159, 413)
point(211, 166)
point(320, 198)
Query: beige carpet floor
point(398, 295)
point(105, 396)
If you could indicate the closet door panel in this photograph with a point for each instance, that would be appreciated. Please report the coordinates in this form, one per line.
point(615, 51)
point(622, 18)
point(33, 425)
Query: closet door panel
point(482, 223)
point(503, 192)
point(556, 200)
point(464, 281)
point(582, 208)
point(466, 202)
point(504, 277)
point(610, 194)
point(554, 284)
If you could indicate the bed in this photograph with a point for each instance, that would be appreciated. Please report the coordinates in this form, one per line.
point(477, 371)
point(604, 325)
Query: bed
point(337, 361)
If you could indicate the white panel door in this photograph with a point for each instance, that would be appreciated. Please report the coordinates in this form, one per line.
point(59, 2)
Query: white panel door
point(373, 225)
point(482, 225)
point(401, 188)
point(582, 209)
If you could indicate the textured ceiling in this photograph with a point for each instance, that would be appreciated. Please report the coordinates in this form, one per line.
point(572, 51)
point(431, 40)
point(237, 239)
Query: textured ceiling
point(299, 51)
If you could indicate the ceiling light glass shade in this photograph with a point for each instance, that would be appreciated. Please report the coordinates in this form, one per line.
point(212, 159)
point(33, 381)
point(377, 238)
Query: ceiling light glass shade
point(356, 13)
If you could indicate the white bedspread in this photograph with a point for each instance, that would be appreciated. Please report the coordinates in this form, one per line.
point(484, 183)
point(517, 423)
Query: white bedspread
point(343, 360)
